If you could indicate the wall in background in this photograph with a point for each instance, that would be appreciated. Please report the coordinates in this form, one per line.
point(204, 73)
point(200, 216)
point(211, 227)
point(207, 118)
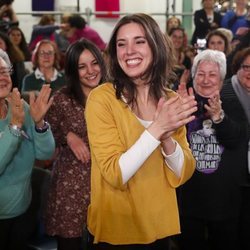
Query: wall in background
point(103, 25)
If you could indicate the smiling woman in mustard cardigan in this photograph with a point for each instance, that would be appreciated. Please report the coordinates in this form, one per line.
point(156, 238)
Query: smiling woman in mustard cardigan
point(138, 142)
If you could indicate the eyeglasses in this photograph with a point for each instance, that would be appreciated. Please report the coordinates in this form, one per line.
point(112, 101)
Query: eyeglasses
point(43, 53)
point(246, 67)
point(6, 71)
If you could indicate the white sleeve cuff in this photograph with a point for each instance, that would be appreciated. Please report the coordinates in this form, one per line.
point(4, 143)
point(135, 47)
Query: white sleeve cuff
point(175, 160)
point(137, 154)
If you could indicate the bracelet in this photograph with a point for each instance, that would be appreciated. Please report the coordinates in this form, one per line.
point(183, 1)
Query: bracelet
point(18, 132)
point(15, 130)
point(222, 116)
point(42, 129)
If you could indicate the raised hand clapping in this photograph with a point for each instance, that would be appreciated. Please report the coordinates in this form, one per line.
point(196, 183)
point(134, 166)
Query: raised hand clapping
point(40, 105)
point(17, 108)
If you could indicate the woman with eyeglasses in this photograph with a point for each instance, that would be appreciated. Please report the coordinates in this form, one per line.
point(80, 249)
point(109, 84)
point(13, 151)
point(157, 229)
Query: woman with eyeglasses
point(24, 136)
point(45, 59)
point(235, 97)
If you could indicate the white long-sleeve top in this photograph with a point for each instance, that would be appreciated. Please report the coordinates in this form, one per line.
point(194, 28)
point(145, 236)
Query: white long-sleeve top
point(134, 157)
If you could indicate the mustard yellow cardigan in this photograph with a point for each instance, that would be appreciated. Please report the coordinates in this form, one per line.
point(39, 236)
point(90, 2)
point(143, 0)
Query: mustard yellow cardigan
point(145, 208)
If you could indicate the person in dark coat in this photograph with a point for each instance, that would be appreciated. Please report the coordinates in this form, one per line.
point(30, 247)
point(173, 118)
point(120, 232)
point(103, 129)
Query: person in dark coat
point(210, 202)
point(205, 20)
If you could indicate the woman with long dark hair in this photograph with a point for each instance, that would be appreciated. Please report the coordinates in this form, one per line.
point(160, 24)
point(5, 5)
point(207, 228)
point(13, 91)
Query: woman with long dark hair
point(69, 192)
point(16, 58)
point(17, 37)
point(139, 150)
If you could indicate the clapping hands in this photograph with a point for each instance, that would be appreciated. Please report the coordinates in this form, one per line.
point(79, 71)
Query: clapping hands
point(40, 105)
point(17, 108)
point(214, 108)
point(173, 113)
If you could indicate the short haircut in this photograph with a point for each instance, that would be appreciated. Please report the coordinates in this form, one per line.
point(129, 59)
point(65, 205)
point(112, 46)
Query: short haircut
point(36, 50)
point(5, 57)
point(211, 56)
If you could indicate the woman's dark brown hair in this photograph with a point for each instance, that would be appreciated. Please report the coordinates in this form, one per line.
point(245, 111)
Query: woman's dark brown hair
point(239, 58)
point(73, 54)
point(160, 70)
point(46, 20)
point(23, 44)
point(14, 54)
point(221, 35)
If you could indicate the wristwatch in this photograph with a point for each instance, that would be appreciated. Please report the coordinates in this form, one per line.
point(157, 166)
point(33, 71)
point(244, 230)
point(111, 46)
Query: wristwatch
point(42, 129)
point(15, 130)
point(18, 132)
point(222, 116)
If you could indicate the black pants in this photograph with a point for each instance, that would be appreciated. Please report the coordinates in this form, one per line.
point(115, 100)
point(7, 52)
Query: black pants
point(199, 234)
point(15, 232)
point(245, 219)
point(162, 244)
point(69, 243)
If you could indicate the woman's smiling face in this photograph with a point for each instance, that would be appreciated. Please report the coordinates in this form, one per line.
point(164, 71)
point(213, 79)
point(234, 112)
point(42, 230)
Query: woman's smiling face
point(89, 70)
point(207, 79)
point(133, 52)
